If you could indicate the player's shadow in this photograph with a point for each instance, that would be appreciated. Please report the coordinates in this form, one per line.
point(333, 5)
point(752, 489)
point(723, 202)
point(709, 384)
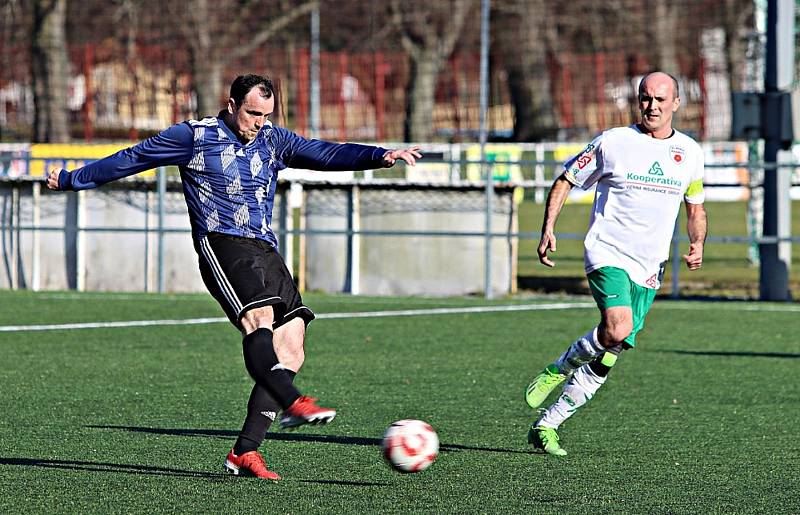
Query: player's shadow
point(99, 466)
point(299, 437)
point(149, 470)
point(740, 354)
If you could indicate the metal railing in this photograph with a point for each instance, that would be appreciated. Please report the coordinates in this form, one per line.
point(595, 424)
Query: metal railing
point(12, 227)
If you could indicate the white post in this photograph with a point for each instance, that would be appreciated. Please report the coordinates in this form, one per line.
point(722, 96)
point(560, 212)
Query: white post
point(14, 254)
point(36, 265)
point(354, 240)
point(80, 243)
point(538, 175)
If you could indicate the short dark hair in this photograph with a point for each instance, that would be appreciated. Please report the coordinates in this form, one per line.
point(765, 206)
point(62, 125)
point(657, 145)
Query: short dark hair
point(242, 85)
point(674, 82)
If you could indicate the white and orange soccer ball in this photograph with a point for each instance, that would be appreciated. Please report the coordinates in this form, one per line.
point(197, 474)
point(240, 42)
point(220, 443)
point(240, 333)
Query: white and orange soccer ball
point(410, 445)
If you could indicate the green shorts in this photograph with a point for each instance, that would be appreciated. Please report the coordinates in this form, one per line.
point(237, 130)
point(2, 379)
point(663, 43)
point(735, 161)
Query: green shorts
point(612, 287)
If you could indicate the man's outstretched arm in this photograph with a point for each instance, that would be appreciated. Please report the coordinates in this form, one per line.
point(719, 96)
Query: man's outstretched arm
point(326, 156)
point(173, 146)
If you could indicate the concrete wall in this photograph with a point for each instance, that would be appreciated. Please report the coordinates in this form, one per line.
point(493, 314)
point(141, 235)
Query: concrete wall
point(94, 260)
point(59, 257)
point(408, 265)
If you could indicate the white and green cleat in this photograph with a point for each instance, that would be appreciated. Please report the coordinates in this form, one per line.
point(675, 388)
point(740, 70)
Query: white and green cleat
point(543, 385)
point(545, 439)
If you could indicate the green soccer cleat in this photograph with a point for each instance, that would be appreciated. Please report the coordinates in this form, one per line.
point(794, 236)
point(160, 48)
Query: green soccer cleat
point(542, 385)
point(545, 439)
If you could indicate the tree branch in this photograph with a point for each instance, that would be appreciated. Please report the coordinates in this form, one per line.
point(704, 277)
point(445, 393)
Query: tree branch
point(448, 42)
point(275, 25)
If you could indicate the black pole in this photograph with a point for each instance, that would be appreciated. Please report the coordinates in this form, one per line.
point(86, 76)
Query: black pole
point(776, 110)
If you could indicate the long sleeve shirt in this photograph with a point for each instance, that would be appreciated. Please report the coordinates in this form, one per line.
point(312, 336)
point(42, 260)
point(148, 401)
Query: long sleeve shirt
point(229, 186)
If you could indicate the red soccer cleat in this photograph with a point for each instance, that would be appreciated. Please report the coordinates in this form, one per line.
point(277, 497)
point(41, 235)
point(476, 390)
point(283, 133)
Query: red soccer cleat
point(249, 464)
point(305, 411)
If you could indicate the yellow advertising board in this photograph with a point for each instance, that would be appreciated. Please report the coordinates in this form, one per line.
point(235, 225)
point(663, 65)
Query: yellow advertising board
point(501, 172)
point(50, 156)
point(500, 157)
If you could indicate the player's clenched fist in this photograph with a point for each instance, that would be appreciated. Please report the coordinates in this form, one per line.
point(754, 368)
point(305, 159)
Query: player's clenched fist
point(52, 179)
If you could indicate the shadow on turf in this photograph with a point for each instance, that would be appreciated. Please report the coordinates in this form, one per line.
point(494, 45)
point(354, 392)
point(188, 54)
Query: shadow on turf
point(94, 466)
point(297, 437)
point(783, 355)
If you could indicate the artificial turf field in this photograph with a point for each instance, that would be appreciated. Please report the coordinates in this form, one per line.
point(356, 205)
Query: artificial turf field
point(702, 417)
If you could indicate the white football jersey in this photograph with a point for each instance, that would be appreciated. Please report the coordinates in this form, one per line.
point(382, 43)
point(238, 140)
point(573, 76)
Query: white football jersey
point(641, 182)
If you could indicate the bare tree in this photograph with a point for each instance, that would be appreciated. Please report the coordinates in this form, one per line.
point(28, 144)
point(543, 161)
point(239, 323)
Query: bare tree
point(429, 32)
point(738, 23)
point(224, 35)
point(666, 25)
point(50, 72)
point(522, 44)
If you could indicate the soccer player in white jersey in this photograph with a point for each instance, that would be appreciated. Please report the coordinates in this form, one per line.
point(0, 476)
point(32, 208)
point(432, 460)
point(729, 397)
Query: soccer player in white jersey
point(641, 174)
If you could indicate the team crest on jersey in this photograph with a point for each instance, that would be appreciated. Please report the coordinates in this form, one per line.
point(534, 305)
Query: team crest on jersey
point(677, 154)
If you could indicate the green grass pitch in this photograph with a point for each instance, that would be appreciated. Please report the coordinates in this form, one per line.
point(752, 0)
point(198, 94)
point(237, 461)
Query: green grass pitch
point(701, 418)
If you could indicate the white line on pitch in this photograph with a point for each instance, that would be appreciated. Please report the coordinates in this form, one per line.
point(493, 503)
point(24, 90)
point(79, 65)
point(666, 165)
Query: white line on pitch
point(104, 325)
point(451, 311)
point(321, 316)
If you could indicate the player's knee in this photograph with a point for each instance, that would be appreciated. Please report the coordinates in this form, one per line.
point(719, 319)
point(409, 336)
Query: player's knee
point(619, 331)
point(289, 344)
point(259, 317)
point(615, 331)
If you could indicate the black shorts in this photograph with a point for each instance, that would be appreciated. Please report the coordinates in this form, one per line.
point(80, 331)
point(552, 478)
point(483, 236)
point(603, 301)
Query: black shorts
point(247, 273)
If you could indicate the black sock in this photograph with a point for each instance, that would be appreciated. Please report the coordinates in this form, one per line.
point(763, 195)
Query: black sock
point(260, 360)
point(262, 409)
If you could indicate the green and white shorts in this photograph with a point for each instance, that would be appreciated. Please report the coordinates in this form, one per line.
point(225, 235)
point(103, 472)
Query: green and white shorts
point(613, 287)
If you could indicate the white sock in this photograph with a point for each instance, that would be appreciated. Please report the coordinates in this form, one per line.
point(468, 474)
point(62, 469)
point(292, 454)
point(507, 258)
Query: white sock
point(581, 387)
point(582, 351)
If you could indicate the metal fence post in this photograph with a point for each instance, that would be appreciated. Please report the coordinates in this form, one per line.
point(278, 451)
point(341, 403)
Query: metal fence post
point(488, 171)
point(147, 200)
point(162, 190)
point(80, 243)
point(352, 278)
point(15, 236)
point(36, 265)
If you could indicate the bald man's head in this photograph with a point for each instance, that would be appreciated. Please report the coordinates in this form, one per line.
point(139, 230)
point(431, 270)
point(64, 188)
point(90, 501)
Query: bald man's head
point(661, 75)
point(658, 101)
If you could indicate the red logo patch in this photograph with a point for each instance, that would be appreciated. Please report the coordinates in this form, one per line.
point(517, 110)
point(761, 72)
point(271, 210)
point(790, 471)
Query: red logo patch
point(584, 160)
point(677, 153)
point(653, 281)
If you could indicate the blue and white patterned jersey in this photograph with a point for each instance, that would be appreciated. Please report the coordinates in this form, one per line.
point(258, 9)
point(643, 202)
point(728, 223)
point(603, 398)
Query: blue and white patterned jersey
point(229, 186)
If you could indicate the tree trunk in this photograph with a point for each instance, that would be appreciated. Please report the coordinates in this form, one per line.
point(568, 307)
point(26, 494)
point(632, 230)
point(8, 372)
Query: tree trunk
point(421, 96)
point(666, 37)
point(522, 46)
point(207, 78)
point(206, 64)
point(50, 71)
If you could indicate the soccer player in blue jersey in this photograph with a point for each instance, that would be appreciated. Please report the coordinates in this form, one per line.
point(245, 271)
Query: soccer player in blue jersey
point(229, 168)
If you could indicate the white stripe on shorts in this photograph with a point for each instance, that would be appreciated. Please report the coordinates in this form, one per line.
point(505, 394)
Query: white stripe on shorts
point(219, 275)
point(298, 309)
point(247, 306)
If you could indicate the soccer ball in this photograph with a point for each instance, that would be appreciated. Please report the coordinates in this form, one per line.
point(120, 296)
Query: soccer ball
point(410, 445)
